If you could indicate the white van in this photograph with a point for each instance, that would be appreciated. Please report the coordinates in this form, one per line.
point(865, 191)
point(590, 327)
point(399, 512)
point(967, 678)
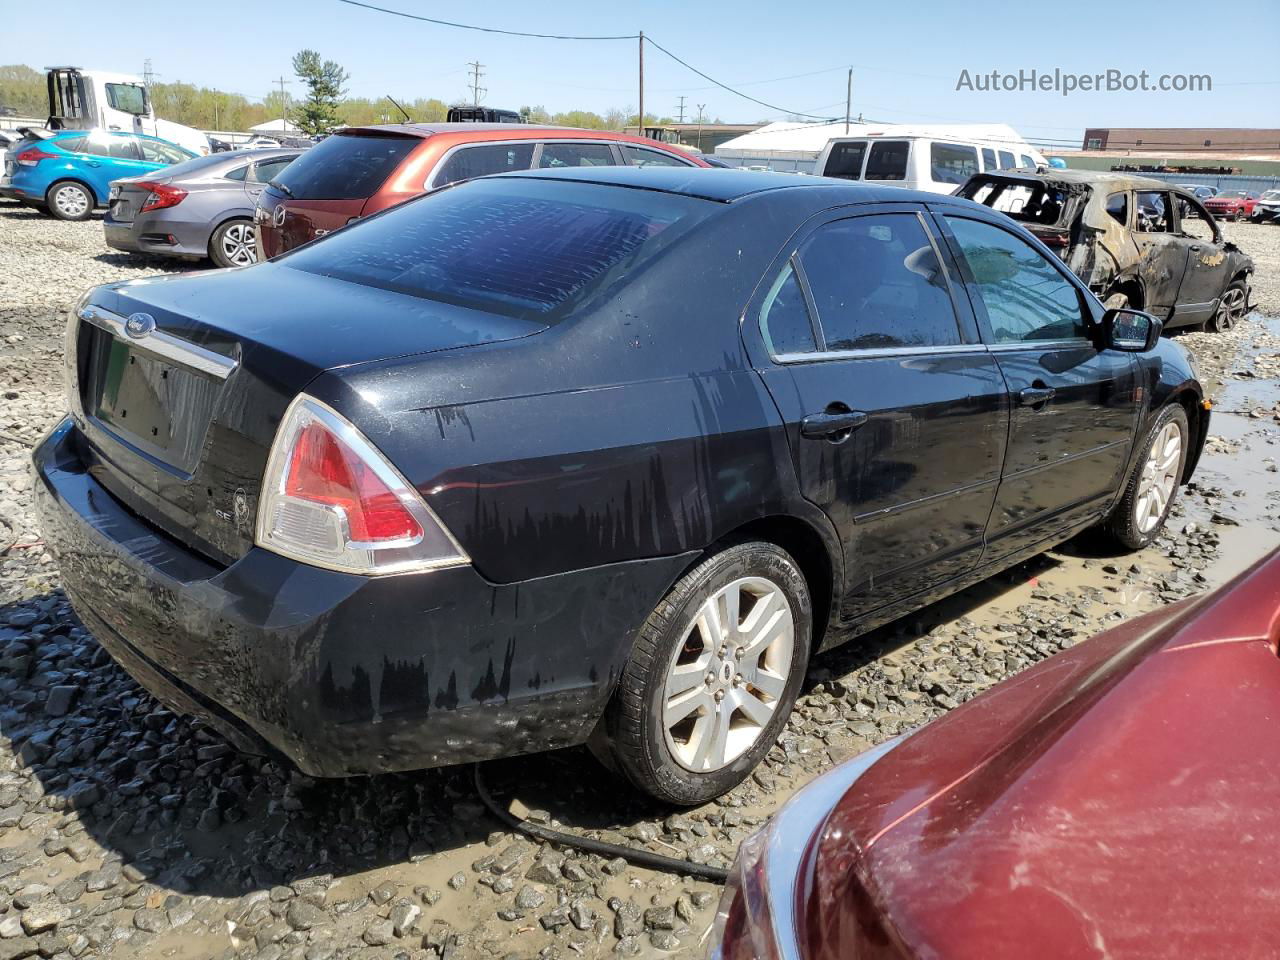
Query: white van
point(937, 161)
point(94, 99)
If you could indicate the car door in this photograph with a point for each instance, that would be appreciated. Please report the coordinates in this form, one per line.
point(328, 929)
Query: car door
point(1073, 406)
point(1207, 267)
point(896, 414)
point(1162, 255)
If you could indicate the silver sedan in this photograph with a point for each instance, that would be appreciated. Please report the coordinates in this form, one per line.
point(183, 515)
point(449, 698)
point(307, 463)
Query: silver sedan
point(197, 209)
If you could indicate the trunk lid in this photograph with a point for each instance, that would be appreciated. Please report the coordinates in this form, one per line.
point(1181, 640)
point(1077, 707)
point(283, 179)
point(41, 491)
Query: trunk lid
point(177, 416)
point(126, 200)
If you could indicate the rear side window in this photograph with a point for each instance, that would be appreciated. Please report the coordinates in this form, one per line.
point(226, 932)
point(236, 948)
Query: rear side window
point(845, 160)
point(876, 283)
point(1026, 297)
point(522, 248)
point(640, 157)
point(124, 148)
point(1028, 162)
point(484, 160)
point(1118, 207)
point(69, 144)
point(558, 155)
point(988, 158)
point(952, 163)
point(1006, 160)
point(887, 160)
point(344, 167)
point(267, 170)
point(239, 173)
point(784, 317)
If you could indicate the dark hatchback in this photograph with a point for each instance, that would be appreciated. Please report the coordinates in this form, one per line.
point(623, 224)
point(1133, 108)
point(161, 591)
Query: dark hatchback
point(603, 456)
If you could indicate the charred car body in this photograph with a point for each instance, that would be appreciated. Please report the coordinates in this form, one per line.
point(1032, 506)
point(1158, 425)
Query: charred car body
point(1135, 241)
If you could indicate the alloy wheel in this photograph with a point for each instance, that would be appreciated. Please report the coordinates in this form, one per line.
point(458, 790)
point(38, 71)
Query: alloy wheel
point(728, 674)
point(1159, 478)
point(1232, 308)
point(71, 201)
point(238, 244)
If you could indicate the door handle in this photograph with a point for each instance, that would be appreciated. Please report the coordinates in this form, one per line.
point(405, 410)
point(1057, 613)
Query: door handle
point(92, 163)
point(1035, 396)
point(831, 424)
point(1195, 248)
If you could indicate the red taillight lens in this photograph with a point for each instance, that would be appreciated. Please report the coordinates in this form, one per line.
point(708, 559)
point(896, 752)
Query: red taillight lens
point(323, 470)
point(33, 155)
point(162, 195)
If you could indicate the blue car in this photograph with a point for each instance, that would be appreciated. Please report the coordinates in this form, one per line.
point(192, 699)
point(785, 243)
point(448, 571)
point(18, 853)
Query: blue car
point(70, 173)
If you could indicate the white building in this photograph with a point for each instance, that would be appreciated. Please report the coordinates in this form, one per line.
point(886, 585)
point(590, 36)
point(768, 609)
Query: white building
point(279, 125)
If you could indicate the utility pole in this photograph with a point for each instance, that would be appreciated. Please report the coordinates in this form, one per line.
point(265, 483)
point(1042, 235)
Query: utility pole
point(640, 124)
point(700, 108)
point(680, 110)
point(848, 100)
point(148, 75)
point(284, 105)
point(476, 90)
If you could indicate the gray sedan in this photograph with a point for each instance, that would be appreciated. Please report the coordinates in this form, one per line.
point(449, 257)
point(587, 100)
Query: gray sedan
point(200, 208)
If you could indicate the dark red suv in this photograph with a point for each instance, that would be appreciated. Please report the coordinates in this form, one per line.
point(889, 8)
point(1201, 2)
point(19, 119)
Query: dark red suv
point(361, 170)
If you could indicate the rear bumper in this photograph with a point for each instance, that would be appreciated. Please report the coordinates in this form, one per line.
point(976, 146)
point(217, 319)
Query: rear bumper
point(340, 674)
point(189, 239)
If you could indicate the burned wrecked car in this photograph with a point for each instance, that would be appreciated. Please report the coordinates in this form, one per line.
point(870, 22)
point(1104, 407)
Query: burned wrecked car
point(1135, 241)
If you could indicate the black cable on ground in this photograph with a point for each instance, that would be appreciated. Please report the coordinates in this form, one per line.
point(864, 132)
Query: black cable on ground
point(641, 858)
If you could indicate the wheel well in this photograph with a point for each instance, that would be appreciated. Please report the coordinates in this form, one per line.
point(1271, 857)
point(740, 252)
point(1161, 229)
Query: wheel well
point(79, 183)
point(1130, 287)
point(807, 548)
point(247, 218)
point(1191, 405)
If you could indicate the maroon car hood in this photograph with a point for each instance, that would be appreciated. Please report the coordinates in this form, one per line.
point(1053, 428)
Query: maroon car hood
point(1121, 799)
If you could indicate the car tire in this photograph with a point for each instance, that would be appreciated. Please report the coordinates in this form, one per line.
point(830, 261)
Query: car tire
point(731, 716)
point(1148, 497)
point(69, 200)
point(1116, 301)
point(232, 244)
point(1232, 307)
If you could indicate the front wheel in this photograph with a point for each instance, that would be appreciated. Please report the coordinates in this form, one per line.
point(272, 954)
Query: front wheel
point(712, 677)
point(68, 200)
point(1143, 509)
point(232, 244)
point(1232, 307)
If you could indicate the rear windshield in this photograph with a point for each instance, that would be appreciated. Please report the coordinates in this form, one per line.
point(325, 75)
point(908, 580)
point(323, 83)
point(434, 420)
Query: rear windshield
point(1045, 204)
point(345, 167)
point(519, 247)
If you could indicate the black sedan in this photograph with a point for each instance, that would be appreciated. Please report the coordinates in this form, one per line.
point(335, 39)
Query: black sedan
point(587, 456)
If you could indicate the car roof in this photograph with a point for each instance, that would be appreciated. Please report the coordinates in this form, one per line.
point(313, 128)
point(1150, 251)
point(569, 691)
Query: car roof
point(725, 186)
point(1116, 181)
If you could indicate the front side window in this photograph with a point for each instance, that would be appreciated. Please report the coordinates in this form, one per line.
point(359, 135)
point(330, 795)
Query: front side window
point(1118, 207)
point(784, 317)
point(556, 156)
point(640, 157)
point(1006, 160)
point(128, 97)
point(887, 160)
point(483, 161)
point(267, 170)
point(524, 248)
point(1027, 299)
point(1027, 162)
point(1154, 212)
point(1196, 222)
point(952, 163)
point(877, 283)
point(153, 151)
point(845, 160)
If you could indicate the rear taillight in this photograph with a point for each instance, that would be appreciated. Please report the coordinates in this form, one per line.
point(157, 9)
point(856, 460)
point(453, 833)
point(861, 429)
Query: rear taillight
point(331, 499)
point(33, 155)
point(162, 195)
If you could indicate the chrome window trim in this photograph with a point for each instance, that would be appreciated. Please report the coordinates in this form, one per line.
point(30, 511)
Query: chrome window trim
point(878, 352)
point(1040, 344)
point(163, 345)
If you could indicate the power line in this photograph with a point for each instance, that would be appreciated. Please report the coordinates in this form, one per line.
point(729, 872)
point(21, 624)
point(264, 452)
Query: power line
point(469, 26)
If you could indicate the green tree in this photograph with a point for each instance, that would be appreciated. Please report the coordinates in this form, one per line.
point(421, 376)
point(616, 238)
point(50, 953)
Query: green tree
point(318, 113)
point(24, 89)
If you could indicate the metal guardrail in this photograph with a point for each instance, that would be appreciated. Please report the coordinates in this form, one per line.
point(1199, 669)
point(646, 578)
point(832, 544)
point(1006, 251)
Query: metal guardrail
point(1257, 184)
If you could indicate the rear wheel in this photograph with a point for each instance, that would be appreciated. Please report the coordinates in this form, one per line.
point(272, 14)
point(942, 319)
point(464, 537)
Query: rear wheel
point(69, 200)
point(232, 244)
point(1143, 509)
point(713, 676)
point(1231, 308)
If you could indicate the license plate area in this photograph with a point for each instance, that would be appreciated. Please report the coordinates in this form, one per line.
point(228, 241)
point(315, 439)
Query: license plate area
point(160, 408)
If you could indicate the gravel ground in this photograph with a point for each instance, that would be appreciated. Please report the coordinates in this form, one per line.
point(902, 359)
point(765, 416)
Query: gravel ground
point(128, 832)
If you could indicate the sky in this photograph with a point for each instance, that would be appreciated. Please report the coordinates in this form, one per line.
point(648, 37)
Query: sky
point(907, 58)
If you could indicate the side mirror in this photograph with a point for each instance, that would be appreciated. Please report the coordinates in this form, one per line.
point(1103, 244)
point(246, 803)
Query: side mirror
point(1130, 330)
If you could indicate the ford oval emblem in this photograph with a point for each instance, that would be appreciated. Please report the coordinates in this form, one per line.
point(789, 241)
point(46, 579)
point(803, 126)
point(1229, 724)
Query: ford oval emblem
point(139, 325)
point(278, 217)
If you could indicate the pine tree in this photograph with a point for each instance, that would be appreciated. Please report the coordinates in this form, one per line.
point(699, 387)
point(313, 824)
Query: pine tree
point(318, 113)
